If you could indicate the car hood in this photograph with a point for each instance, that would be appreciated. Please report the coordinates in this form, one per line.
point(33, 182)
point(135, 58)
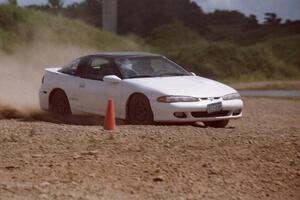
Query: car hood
point(183, 85)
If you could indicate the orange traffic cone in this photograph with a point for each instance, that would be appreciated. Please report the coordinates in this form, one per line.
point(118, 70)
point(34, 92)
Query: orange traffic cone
point(110, 120)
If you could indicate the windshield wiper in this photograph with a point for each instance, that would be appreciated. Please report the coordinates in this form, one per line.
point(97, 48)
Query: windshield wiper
point(173, 74)
point(141, 76)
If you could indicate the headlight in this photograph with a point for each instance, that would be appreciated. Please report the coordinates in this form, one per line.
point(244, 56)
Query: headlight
point(232, 96)
point(171, 99)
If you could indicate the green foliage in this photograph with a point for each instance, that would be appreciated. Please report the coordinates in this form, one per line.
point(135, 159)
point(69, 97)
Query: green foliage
point(55, 3)
point(228, 61)
point(227, 17)
point(171, 36)
point(276, 59)
point(11, 19)
point(142, 17)
point(272, 19)
point(286, 49)
point(7, 41)
point(21, 27)
point(13, 2)
point(89, 11)
point(10, 16)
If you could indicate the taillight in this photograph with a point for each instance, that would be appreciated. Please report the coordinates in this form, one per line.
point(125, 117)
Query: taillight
point(43, 79)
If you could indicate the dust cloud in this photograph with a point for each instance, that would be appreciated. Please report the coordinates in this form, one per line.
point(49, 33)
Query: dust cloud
point(21, 73)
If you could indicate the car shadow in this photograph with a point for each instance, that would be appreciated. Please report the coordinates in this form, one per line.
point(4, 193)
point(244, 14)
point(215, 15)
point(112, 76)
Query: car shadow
point(95, 120)
point(84, 120)
point(87, 120)
point(194, 124)
point(90, 120)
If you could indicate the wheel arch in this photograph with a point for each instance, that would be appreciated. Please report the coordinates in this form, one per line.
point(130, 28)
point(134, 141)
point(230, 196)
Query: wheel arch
point(53, 92)
point(129, 98)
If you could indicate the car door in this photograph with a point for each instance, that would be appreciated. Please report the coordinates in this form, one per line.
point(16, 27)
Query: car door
point(70, 84)
point(94, 92)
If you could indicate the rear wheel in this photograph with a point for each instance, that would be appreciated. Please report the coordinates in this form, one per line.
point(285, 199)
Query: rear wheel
point(59, 104)
point(217, 124)
point(139, 110)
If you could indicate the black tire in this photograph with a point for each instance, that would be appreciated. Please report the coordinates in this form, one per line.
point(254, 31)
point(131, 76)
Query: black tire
point(139, 110)
point(217, 124)
point(59, 104)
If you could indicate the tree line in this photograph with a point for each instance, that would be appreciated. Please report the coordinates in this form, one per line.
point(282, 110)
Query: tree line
point(143, 17)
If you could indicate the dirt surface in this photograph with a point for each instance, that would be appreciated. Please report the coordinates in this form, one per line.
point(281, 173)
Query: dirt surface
point(256, 157)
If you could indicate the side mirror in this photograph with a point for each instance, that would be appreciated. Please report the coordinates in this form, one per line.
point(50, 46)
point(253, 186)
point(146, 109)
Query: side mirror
point(192, 73)
point(112, 79)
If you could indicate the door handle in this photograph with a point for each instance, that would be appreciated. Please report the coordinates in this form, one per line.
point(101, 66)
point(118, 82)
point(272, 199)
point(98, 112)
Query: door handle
point(81, 85)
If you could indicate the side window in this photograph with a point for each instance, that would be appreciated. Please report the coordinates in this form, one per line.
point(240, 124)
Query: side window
point(71, 68)
point(98, 68)
point(97, 62)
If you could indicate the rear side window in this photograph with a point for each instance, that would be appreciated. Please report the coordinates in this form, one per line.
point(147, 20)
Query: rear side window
point(97, 62)
point(99, 67)
point(71, 68)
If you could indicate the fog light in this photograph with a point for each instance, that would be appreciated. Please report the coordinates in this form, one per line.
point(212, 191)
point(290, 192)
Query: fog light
point(180, 114)
point(237, 112)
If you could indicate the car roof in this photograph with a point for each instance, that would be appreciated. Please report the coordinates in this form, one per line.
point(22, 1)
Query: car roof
point(124, 54)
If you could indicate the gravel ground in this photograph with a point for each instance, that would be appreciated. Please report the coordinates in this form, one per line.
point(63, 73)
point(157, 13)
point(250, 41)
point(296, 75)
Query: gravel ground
point(256, 157)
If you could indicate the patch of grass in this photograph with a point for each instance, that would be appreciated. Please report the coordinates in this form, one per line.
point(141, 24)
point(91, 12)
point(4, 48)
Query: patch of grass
point(269, 85)
point(275, 86)
point(287, 49)
point(19, 27)
point(8, 41)
point(276, 59)
point(226, 60)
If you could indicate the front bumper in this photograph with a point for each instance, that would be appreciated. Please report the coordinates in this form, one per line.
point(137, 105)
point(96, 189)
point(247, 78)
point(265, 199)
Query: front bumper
point(44, 99)
point(196, 111)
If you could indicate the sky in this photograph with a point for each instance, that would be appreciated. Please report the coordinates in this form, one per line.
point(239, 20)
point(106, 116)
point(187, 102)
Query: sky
point(286, 9)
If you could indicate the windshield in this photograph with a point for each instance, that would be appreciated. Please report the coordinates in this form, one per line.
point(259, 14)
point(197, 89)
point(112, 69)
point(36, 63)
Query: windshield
point(141, 67)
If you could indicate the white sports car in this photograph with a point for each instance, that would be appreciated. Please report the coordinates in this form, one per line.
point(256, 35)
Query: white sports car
point(145, 87)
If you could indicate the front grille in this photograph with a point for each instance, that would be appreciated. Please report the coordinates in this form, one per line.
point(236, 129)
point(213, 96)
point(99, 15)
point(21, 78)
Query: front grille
point(211, 98)
point(236, 112)
point(206, 114)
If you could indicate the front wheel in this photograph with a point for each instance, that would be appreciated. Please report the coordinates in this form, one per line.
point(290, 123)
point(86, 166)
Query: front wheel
point(139, 110)
point(217, 124)
point(59, 104)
